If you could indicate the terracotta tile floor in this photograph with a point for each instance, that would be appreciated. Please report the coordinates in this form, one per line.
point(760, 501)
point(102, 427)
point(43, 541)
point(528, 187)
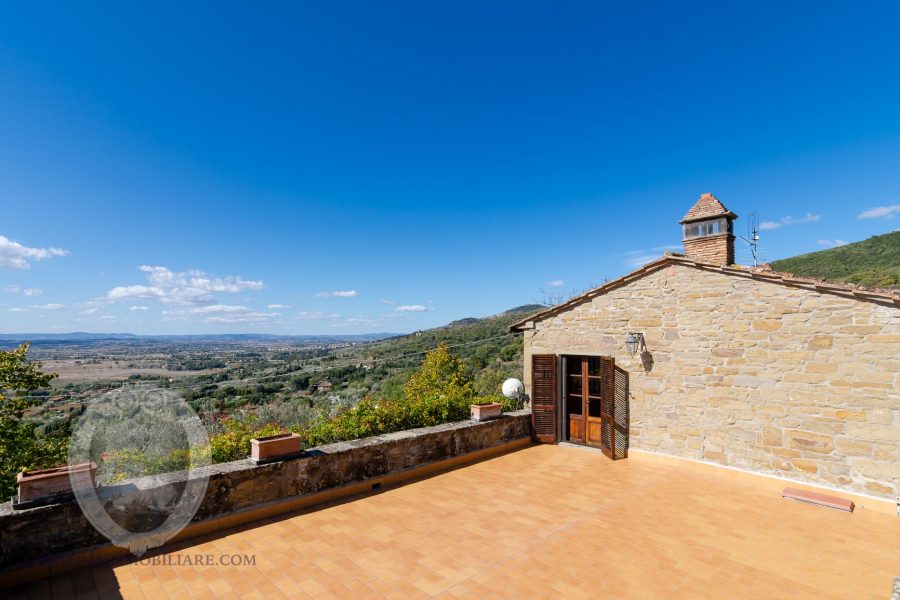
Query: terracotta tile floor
point(541, 522)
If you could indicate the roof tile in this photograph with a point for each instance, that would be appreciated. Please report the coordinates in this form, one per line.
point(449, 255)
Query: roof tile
point(707, 207)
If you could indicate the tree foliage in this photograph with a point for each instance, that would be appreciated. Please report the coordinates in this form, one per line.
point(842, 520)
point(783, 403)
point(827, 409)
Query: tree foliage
point(20, 448)
point(441, 374)
point(872, 262)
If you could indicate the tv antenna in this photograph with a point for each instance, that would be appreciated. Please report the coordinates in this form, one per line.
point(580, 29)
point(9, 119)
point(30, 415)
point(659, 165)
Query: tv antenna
point(753, 237)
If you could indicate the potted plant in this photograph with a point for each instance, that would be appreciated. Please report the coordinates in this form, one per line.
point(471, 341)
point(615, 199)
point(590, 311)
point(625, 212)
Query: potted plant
point(275, 447)
point(42, 483)
point(484, 409)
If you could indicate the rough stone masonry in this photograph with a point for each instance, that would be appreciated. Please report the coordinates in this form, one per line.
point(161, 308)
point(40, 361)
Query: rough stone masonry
point(752, 374)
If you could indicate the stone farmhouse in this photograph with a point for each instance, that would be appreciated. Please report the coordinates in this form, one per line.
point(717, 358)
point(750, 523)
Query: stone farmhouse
point(696, 357)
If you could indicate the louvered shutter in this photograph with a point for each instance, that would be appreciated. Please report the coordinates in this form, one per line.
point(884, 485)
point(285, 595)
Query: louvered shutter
point(608, 406)
point(543, 397)
point(621, 414)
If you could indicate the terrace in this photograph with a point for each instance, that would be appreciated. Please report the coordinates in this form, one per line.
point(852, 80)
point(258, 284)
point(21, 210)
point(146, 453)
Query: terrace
point(540, 521)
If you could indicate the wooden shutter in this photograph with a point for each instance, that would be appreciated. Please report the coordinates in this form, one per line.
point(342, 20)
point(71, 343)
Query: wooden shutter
point(608, 406)
point(543, 397)
point(621, 414)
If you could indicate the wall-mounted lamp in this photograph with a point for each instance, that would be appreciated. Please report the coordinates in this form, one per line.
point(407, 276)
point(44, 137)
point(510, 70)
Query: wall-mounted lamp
point(635, 342)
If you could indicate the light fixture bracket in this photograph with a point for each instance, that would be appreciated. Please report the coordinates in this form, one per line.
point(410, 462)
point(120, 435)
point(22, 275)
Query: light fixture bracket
point(634, 342)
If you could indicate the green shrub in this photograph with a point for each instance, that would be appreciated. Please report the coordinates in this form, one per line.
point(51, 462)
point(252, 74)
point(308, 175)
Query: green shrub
point(234, 442)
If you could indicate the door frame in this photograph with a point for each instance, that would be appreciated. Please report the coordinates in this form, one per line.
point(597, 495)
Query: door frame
point(605, 425)
point(588, 423)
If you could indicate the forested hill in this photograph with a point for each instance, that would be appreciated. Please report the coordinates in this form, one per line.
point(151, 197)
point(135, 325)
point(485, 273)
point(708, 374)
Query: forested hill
point(490, 351)
point(873, 262)
point(479, 341)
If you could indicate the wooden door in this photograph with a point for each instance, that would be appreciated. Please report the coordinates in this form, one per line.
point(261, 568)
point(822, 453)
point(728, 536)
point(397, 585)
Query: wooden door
point(573, 387)
point(589, 402)
point(592, 400)
point(543, 397)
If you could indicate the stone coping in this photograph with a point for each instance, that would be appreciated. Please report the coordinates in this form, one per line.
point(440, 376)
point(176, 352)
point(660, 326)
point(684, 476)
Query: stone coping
point(32, 540)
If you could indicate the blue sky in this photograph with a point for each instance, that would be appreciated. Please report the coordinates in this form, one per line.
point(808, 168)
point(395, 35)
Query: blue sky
point(341, 167)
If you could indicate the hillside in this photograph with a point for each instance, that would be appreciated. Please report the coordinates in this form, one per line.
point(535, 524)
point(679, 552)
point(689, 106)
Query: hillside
point(282, 380)
point(481, 342)
point(471, 337)
point(873, 262)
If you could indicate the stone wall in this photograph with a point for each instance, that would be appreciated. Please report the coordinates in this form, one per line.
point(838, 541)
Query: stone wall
point(40, 533)
point(756, 375)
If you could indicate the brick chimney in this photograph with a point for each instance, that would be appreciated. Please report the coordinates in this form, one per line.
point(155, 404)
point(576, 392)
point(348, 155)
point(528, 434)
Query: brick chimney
point(708, 232)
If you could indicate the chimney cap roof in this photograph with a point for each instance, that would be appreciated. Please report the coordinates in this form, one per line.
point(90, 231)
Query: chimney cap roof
point(707, 207)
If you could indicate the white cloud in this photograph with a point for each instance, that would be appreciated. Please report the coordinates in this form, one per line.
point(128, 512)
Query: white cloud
point(411, 308)
point(99, 318)
point(356, 321)
point(28, 292)
point(245, 317)
point(639, 258)
point(831, 243)
point(279, 306)
point(338, 294)
point(190, 287)
point(885, 212)
point(136, 308)
point(14, 255)
point(16, 310)
point(218, 308)
point(556, 283)
point(317, 315)
point(219, 313)
point(48, 306)
point(783, 221)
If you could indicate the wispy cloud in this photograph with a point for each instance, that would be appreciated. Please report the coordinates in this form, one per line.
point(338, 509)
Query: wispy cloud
point(188, 287)
point(28, 292)
point(388, 302)
point(279, 306)
point(98, 319)
point(831, 243)
point(48, 306)
point(556, 283)
point(338, 294)
point(14, 255)
point(785, 221)
point(356, 321)
point(880, 212)
point(139, 308)
point(639, 258)
point(247, 317)
point(16, 310)
point(218, 308)
point(220, 313)
point(317, 316)
point(411, 308)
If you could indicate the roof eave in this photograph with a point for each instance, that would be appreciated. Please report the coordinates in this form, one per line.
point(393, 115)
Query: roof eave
point(727, 214)
point(789, 279)
point(640, 272)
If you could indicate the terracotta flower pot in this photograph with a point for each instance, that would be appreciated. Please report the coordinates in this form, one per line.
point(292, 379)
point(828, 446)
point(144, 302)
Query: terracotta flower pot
point(42, 483)
point(273, 447)
point(483, 412)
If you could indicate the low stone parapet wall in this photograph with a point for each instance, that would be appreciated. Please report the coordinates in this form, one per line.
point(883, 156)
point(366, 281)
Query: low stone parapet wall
point(33, 541)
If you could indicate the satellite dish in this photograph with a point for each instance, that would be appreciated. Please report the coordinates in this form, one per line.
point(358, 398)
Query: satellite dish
point(513, 388)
